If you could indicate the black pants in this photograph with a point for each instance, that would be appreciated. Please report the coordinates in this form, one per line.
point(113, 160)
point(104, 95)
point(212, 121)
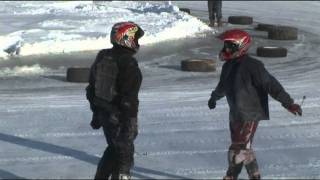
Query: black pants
point(214, 8)
point(118, 158)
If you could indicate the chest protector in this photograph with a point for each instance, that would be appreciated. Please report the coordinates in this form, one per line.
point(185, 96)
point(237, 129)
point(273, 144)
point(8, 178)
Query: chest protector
point(106, 78)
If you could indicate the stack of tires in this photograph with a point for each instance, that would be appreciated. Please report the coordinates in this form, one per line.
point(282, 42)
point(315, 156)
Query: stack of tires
point(276, 32)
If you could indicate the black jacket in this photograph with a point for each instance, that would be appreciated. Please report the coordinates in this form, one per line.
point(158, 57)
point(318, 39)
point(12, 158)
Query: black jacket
point(246, 84)
point(128, 82)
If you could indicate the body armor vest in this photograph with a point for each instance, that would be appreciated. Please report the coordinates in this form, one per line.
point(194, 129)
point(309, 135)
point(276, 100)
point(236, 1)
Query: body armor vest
point(106, 78)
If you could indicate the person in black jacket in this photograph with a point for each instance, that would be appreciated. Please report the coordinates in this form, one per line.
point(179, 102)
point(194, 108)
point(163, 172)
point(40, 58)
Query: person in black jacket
point(114, 83)
point(246, 84)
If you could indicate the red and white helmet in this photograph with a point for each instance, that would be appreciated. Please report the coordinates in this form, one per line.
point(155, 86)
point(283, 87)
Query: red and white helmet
point(126, 34)
point(236, 44)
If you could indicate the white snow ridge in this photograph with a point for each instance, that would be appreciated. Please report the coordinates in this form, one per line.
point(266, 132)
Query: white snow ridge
point(23, 71)
point(60, 27)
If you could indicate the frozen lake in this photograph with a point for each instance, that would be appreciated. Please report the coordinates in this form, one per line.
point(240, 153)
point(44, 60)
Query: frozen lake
point(44, 124)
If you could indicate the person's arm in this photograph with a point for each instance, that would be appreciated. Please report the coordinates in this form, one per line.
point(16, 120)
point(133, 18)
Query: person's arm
point(90, 88)
point(218, 92)
point(262, 78)
point(129, 86)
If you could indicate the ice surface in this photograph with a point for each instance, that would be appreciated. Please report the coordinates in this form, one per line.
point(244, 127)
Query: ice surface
point(44, 120)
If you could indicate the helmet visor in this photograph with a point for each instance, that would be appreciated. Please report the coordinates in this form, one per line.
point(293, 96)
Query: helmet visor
point(139, 33)
point(234, 47)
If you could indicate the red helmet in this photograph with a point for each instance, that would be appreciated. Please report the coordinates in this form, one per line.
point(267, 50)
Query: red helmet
point(126, 34)
point(236, 44)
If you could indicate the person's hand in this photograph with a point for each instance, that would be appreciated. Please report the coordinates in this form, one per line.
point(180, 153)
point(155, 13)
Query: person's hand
point(295, 109)
point(212, 103)
point(95, 123)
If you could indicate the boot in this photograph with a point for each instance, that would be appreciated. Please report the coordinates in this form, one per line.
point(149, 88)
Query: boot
point(211, 24)
point(255, 177)
point(233, 172)
point(219, 22)
point(228, 178)
point(124, 177)
point(253, 169)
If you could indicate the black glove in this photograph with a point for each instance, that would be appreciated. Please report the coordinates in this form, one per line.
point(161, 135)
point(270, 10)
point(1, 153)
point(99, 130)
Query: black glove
point(212, 103)
point(95, 123)
point(92, 107)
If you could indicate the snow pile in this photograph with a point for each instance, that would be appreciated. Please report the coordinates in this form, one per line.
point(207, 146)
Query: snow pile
point(23, 71)
point(58, 27)
point(10, 44)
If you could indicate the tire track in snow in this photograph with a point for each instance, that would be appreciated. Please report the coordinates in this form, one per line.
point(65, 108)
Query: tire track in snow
point(187, 111)
point(199, 171)
point(35, 159)
point(39, 159)
point(264, 168)
point(39, 107)
point(198, 152)
point(180, 171)
point(260, 138)
point(271, 167)
point(225, 127)
point(59, 134)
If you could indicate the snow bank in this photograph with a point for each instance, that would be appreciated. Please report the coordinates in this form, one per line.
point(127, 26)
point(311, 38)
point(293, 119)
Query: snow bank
point(23, 71)
point(59, 27)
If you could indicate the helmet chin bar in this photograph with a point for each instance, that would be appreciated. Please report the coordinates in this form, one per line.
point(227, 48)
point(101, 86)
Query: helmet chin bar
point(227, 56)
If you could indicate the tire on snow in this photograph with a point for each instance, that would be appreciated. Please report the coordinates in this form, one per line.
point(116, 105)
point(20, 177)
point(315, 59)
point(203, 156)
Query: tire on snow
point(242, 20)
point(187, 10)
point(283, 33)
point(271, 51)
point(198, 65)
point(264, 27)
point(78, 74)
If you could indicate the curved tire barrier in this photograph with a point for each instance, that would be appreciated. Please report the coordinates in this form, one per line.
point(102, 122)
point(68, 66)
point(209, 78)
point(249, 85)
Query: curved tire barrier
point(283, 33)
point(242, 20)
point(198, 65)
point(271, 52)
point(185, 10)
point(77, 74)
point(264, 27)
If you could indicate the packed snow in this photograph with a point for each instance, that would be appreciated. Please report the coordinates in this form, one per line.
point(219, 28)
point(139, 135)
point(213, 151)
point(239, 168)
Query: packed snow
point(61, 27)
point(44, 120)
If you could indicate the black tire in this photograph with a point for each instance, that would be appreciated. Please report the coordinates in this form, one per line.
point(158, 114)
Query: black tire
point(283, 33)
point(198, 65)
point(264, 27)
point(78, 74)
point(272, 52)
point(242, 20)
point(187, 10)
